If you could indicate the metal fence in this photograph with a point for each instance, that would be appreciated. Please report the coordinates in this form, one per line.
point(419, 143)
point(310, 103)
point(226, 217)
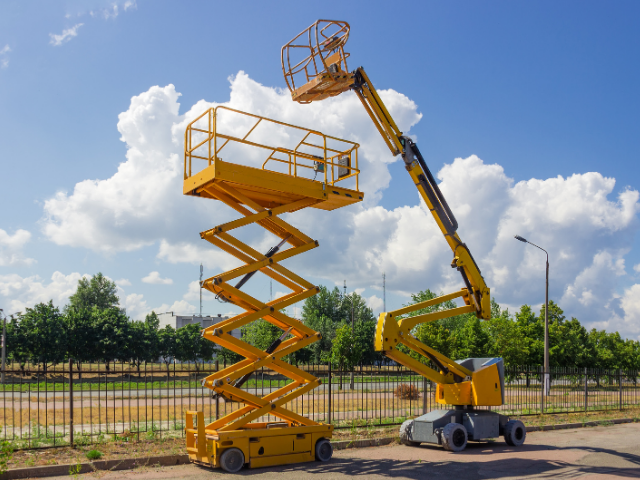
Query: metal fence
point(83, 404)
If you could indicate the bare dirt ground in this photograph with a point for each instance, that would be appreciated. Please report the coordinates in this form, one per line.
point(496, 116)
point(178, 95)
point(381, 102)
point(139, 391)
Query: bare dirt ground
point(594, 453)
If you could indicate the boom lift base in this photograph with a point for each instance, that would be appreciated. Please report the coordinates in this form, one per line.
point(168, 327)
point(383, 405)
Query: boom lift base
point(260, 430)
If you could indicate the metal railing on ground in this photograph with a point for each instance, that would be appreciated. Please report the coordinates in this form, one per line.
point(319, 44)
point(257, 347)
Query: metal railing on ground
point(83, 404)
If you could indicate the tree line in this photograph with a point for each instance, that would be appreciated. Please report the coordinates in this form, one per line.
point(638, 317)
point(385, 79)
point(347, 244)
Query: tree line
point(93, 328)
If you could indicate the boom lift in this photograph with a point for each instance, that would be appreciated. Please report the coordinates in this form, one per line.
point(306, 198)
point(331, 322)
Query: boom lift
point(284, 169)
point(314, 64)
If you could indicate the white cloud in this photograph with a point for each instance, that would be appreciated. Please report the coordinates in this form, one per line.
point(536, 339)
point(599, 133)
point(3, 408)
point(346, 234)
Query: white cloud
point(586, 232)
point(123, 282)
point(65, 36)
point(179, 307)
point(22, 292)
point(636, 268)
point(154, 279)
point(375, 303)
point(4, 56)
point(11, 248)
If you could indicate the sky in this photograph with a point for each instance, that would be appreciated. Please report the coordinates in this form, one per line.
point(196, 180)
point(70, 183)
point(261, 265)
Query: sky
point(527, 113)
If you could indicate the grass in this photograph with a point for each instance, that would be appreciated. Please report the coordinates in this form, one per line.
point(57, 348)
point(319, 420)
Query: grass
point(128, 445)
point(94, 455)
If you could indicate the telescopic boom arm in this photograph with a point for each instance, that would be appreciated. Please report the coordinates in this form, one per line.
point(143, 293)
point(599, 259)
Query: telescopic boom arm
point(323, 69)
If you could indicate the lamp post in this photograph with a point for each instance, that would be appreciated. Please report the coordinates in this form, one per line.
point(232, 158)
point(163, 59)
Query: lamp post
point(546, 319)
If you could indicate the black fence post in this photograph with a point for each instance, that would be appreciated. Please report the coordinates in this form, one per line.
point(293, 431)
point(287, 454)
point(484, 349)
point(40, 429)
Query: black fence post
point(586, 390)
point(620, 385)
point(71, 402)
point(329, 395)
point(217, 397)
point(424, 395)
point(542, 373)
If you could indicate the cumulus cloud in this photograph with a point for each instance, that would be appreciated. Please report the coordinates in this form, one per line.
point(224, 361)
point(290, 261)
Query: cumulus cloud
point(65, 36)
point(123, 282)
point(142, 205)
point(11, 248)
point(4, 56)
point(22, 292)
point(154, 278)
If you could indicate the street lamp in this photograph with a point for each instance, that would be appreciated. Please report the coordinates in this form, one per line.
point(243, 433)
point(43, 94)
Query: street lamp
point(546, 319)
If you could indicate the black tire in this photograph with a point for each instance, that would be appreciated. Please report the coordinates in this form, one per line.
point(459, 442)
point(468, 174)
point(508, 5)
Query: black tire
point(515, 433)
point(232, 460)
point(324, 450)
point(406, 434)
point(454, 437)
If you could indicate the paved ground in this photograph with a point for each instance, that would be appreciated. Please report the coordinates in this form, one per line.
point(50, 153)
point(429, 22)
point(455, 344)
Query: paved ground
point(593, 453)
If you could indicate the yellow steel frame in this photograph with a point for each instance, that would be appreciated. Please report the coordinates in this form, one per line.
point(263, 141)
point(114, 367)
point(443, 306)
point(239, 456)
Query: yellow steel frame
point(326, 76)
point(261, 196)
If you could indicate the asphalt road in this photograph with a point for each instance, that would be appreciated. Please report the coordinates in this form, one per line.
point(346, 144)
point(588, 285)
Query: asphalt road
point(593, 453)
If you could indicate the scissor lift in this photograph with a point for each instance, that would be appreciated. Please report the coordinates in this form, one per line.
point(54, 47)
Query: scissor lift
point(302, 168)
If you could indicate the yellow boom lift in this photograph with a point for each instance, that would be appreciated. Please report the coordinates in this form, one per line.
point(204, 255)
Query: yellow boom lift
point(284, 169)
point(314, 64)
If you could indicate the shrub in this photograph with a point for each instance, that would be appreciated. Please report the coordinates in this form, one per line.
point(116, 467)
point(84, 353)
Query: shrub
point(6, 451)
point(94, 455)
point(406, 391)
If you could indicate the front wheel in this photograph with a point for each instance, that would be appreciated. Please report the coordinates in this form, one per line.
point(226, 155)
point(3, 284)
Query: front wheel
point(454, 437)
point(232, 460)
point(515, 433)
point(324, 450)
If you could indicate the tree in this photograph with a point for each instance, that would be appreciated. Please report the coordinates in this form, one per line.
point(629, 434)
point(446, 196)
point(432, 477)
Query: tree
point(167, 346)
point(43, 331)
point(152, 321)
point(81, 335)
point(191, 346)
point(17, 344)
point(113, 334)
point(98, 292)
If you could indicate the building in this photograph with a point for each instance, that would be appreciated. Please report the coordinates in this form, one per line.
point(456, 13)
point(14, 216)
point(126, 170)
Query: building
point(178, 321)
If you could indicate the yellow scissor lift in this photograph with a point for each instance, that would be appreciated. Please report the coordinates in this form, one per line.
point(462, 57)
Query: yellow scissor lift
point(281, 169)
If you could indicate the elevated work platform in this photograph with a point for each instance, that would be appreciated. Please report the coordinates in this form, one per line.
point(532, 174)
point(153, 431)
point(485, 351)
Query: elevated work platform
point(314, 63)
point(280, 168)
point(277, 163)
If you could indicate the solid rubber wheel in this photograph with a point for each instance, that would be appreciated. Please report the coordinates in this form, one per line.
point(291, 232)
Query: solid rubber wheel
point(406, 434)
point(515, 433)
point(454, 437)
point(232, 460)
point(324, 450)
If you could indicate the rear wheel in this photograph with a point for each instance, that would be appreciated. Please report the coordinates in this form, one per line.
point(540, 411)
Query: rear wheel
point(515, 433)
point(406, 434)
point(324, 450)
point(454, 437)
point(232, 460)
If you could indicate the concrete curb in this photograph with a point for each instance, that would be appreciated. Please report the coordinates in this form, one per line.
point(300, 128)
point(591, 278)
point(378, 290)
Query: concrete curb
point(373, 442)
point(124, 464)
point(565, 426)
point(169, 460)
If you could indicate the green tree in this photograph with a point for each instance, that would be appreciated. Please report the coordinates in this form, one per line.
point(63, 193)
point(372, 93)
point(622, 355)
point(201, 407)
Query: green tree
point(113, 335)
point(152, 321)
point(17, 343)
point(98, 291)
point(43, 331)
point(167, 346)
point(81, 336)
point(191, 346)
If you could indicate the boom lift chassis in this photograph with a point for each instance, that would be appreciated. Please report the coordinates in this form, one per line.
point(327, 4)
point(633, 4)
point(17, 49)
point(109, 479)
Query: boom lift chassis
point(314, 65)
point(263, 432)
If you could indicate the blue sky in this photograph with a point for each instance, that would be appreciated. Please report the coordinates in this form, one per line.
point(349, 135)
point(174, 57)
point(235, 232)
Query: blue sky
point(519, 92)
